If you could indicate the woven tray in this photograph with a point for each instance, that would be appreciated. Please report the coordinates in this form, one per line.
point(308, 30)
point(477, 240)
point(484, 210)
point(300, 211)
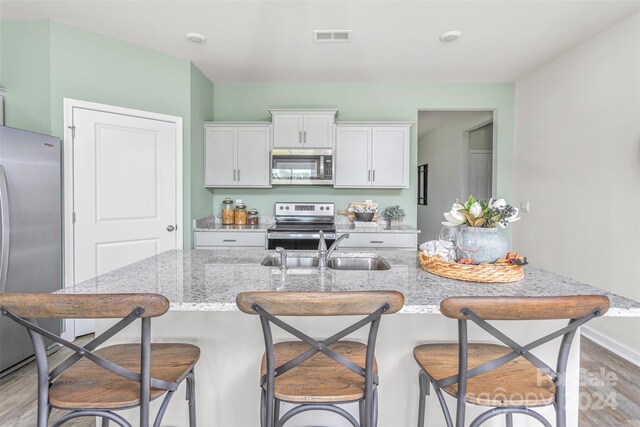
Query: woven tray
point(471, 273)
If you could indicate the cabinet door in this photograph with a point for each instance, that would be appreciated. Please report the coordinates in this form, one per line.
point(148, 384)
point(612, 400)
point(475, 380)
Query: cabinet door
point(287, 130)
point(352, 157)
point(220, 162)
point(390, 157)
point(253, 156)
point(318, 131)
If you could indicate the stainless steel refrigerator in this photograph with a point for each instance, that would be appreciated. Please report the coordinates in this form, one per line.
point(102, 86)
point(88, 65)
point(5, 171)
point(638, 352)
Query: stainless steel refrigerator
point(30, 229)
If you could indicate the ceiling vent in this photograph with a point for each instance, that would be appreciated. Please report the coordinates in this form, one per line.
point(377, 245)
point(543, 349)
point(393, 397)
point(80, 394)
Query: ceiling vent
point(332, 35)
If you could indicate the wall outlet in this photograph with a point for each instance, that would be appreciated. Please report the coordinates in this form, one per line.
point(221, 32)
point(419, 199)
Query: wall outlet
point(524, 207)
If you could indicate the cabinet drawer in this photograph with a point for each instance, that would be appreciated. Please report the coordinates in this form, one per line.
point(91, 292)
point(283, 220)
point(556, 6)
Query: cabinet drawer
point(229, 239)
point(380, 240)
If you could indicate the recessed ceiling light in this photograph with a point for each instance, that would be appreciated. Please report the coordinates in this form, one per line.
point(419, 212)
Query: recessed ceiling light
point(195, 37)
point(450, 36)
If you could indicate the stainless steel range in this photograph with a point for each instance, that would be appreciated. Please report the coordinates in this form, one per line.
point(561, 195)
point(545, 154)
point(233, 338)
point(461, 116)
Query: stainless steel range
point(298, 225)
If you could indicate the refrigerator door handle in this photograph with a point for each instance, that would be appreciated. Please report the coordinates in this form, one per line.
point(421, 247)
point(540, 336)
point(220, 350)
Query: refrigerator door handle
point(4, 225)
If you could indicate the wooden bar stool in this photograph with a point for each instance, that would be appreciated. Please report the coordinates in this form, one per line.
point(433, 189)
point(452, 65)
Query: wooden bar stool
point(95, 383)
point(318, 375)
point(507, 377)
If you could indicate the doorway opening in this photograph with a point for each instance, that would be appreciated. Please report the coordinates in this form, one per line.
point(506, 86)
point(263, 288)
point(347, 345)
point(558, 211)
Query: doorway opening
point(460, 149)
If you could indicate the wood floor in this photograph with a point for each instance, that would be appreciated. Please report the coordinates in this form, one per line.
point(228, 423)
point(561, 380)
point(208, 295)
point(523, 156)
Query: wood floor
point(610, 388)
point(609, 392)
point(18, 394)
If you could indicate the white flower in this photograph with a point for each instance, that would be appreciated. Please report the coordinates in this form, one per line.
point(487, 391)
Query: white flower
point(453, 218)
point(514, 217)
point(497, 203)
point(475, 210)
point(457, 207)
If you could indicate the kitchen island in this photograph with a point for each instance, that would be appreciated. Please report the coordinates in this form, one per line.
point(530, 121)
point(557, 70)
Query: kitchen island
point(202, 286)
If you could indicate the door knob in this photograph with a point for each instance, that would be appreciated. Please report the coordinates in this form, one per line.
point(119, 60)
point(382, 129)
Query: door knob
point(170, 228)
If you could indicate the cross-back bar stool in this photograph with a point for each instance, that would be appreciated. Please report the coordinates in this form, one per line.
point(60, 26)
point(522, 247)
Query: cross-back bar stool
point(95, 383)
point(508, 378)
point(319, 374)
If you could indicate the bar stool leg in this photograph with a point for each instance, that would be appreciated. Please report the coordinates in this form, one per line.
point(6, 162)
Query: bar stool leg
point(276, 412)
point(509, 419)
point(191, 397)
point(375, 408)
point(362, 413)
point(423, 381)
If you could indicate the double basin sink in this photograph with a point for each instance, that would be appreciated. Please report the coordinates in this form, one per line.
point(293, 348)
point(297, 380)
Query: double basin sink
point(334, 263)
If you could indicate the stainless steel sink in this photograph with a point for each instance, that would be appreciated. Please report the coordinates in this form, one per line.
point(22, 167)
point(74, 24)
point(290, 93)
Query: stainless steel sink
point(358, 263)
point(292, 262)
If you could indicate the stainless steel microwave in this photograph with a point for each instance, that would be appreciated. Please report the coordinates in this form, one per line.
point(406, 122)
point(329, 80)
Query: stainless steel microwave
point(301, 167)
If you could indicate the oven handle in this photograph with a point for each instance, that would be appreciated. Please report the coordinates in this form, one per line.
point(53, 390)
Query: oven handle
point(301, 236)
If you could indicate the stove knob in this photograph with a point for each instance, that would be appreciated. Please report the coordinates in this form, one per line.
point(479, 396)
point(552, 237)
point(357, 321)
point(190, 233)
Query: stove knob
point(281, 207)
point(321, 208)
point(287, 207)
point(327, 208)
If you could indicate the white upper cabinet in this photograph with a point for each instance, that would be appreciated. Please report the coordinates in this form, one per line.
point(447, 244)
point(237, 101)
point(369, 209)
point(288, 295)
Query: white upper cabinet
point(237, 155)
point(372, 155)
point(303, 128)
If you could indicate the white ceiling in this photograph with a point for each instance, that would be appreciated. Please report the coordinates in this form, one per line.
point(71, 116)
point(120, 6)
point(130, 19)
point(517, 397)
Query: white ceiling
point(393, 41)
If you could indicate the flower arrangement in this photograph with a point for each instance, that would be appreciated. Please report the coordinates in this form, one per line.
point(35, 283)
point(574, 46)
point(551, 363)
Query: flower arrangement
point(480, 213)
point(393, 213)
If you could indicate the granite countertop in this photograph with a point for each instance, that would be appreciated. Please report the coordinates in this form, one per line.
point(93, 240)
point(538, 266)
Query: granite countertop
point(209, 223)
point(204, 280)
point(212, 224)
point(349, 227)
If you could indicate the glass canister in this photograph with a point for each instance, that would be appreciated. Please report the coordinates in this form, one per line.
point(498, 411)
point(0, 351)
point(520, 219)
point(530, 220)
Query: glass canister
point(252, 217)
point(240, 213)
point(228, 213)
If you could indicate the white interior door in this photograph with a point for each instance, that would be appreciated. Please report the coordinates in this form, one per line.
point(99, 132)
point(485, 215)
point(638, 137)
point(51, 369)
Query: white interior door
point(480, 175)
point(124, 191)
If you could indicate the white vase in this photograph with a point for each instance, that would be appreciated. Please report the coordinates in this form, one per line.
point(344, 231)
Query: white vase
point(493, 245)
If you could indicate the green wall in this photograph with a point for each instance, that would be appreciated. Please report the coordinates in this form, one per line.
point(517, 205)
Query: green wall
point(201, 111)
point(24, 71)
point(359, 101)
point(44, 62)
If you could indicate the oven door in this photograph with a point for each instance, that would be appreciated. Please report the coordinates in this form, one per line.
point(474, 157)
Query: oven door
point(301, 167)
point(297, 241)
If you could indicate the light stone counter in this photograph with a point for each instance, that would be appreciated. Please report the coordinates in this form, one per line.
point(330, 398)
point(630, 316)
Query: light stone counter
point(202, 286)
point(202, 280)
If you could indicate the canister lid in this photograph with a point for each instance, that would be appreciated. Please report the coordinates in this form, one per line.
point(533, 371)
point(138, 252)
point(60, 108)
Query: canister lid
point(253, 211)
point(227, 201)
point(240, 206)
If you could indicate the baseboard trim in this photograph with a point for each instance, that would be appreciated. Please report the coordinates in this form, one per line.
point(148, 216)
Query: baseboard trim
point(612, 345)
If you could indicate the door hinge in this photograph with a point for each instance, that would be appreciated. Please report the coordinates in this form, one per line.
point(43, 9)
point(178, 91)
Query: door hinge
point(73, 217)
point(73, 132)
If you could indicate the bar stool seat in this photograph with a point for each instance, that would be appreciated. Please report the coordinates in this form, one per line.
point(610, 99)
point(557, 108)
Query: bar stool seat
point(87, 385)
point(319, 379)
point(516, 383)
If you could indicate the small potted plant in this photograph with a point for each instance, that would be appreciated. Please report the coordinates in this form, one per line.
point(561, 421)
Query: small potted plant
point(393, 214)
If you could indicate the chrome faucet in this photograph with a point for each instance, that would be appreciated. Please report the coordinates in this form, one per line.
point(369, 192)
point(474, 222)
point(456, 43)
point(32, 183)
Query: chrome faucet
point(323, 253)
point(283, 257)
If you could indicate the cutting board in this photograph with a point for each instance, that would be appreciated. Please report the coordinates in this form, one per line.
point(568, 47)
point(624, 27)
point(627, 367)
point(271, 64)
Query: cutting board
point(352, 217)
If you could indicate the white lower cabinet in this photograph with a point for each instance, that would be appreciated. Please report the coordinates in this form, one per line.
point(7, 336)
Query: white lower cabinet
point(229, 240)
point(237, 155)
point(372, 155)
point(382, 241)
